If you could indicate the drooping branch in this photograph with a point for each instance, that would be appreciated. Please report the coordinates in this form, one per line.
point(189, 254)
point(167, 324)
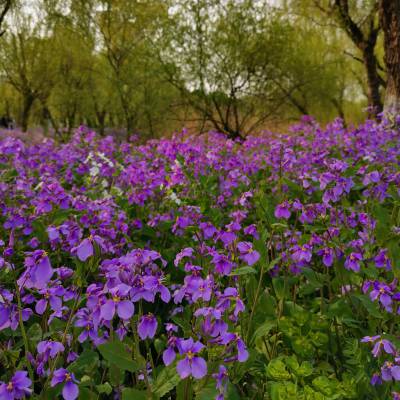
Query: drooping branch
point(364, 35)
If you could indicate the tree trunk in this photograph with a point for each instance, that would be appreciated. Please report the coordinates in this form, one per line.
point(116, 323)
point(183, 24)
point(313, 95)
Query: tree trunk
point(366, 42)
point(373, 80)
point(26, 110)
point(101, 120)
point(390, 22)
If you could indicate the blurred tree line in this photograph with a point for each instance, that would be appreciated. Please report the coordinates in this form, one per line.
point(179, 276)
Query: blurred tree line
point(152, 66)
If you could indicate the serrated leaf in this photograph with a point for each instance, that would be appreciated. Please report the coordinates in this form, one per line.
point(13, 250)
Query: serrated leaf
point(116, 353)
point(85, 362)
point(134, 394)
point(166, 380)
point(264, 329)
point(243, 271)
point(104, 388)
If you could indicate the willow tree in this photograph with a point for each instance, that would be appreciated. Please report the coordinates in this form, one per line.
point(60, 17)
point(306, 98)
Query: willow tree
point(360, 21)
point(27, 63)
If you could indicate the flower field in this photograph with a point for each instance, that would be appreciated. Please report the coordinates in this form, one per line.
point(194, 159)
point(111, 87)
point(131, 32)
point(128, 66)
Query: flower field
point(201, 268)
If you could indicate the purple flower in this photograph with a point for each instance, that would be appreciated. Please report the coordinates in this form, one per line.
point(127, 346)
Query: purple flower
point(169, 353)
point(353, 262)
point(227, 237)
point(154, 284)
point(124, 308)
point(38, 272)
point(85, 320)
point(85, 249)
point(51, 296)
point(376, 379)
point(50, 348)
point(282, 210)
point(70, 390)
point(232, 339)
point(147, 326)
point(222, 264)
point(230, 295)
point(169, 356)
point(327, 256)
point(372, 177)
point(302, 253)
point(191, 364)
point(247, 253)
point(370, 339)
point(17, 388)
point(390, 371)
point(208, 230)
point(383, 293)
point(382, 260)
point(5, 313)
point(221, 381)
point(252, 230)
point(384, 344)
point(243, 354)
point(187, 252)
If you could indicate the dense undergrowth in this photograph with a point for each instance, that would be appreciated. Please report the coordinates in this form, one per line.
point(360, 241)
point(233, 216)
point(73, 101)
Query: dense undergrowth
point(197, 267)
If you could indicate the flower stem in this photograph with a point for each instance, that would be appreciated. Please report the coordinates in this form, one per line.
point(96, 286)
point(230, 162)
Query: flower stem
point(23, 332)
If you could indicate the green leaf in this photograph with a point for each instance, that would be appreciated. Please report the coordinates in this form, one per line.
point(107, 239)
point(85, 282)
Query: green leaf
point(116, 375)
point(86, 362)
point(292, 363)
point(279, 287)
point(276, 370)
point(183, 323)
point(243, 271)
point(305, 369)
point(369, 305)
point(86, 394)
point(34, 332)
point(61, 215)
point(105, 388)
point(284, 391)
point(264, 329)
point(207, 392)
point(116, 353)
point(39, 229)
point(232, 393)
point(324, 385)
point(166, 380)
point(134, 394)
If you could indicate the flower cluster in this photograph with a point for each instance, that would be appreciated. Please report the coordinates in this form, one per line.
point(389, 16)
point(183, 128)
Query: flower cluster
point(195, 259)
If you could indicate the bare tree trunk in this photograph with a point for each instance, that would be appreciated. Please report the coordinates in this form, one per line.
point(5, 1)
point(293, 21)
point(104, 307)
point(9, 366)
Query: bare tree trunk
point(390, 22)
point(101, 121)
point(26, 110)
point(365, 40)
point(373, 80)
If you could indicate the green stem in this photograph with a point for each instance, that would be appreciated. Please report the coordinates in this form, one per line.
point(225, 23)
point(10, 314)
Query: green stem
point(257, 293)
point(23, 333)
point(64, 337)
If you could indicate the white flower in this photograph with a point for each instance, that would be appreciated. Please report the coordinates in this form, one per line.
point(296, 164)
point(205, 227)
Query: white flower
point(94, 171)
point(175, 198)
